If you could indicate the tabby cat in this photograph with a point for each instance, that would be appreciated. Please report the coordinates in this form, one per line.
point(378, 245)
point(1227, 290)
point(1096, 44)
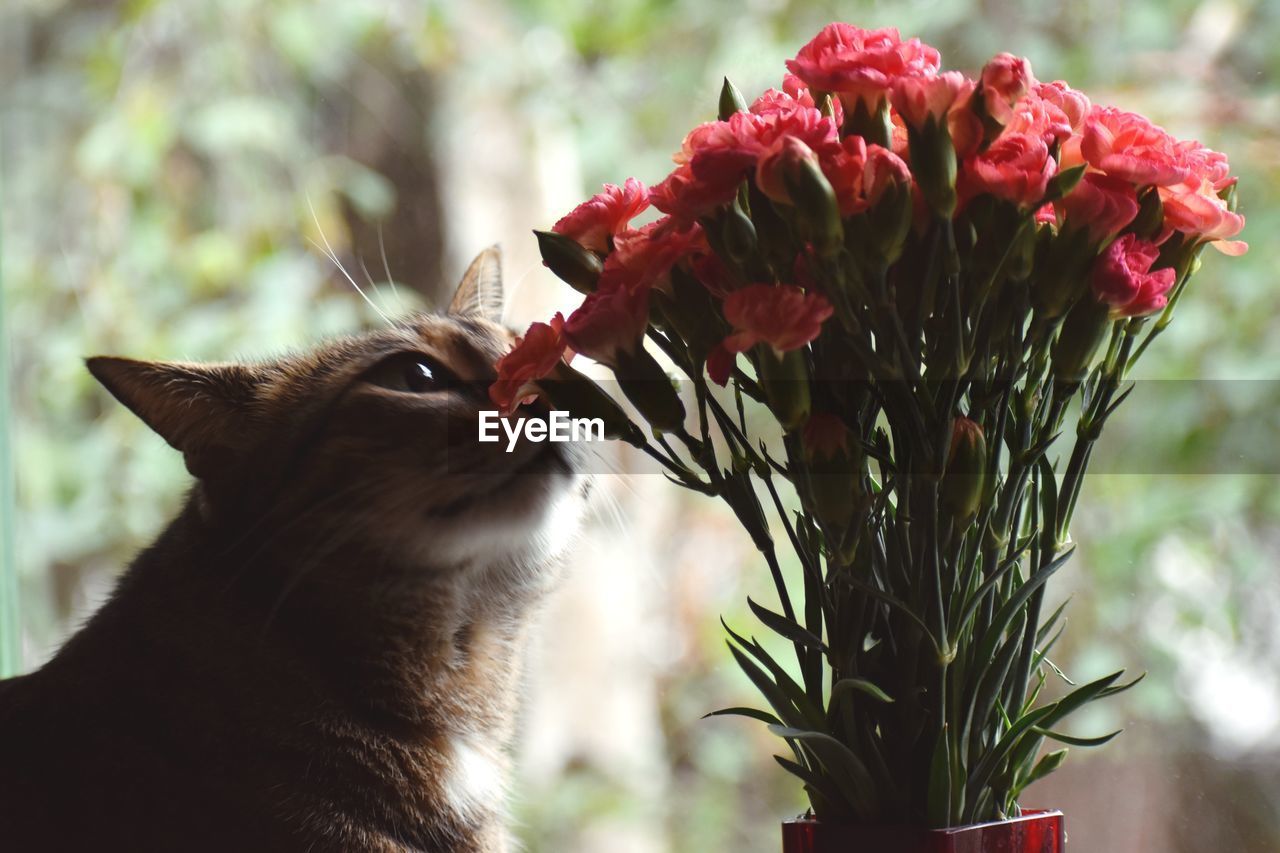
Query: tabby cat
point(322, 651)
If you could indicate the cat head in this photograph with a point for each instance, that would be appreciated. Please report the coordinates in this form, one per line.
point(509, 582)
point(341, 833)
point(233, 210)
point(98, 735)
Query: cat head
point(371, 437)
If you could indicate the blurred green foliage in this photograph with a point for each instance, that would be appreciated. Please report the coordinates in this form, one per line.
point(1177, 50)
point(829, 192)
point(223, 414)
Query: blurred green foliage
point(160, 165)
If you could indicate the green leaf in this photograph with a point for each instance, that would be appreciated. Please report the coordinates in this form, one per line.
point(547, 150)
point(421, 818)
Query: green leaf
point(1062, 183)
point(846, 686)
point(975, 601)
point(1077, 741)
point(1016, 602)
point(828, 792)
point(1046, 765)
point(779, 677)
point(751, 713)
point(785, 627)
point(845, 767)
point(773, 694)
point(938, 804)
point(886, 598)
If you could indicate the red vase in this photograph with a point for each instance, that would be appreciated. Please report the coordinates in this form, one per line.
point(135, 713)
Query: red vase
point(1033, 832)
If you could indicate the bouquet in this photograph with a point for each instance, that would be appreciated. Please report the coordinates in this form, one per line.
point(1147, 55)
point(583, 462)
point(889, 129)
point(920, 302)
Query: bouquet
point(884, 286)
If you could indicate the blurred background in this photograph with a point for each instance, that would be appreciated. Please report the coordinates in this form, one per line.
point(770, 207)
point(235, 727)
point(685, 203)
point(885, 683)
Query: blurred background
point(169, 174)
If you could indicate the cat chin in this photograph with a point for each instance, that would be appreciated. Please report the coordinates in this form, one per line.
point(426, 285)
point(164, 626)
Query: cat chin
point(527, 522)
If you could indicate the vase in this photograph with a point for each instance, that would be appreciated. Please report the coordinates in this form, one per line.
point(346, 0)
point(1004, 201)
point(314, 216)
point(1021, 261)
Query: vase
point(1033, 832)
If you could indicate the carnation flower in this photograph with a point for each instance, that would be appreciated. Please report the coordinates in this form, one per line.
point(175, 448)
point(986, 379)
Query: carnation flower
point(1122, 278)
point(1005, 80)
point(1074, 104)
point(797, 89)
point(881, 170)
point(861, 65)
point(1198, 212)
point(534, 357)
point(716, 156)
point(608, 323)
point(1016, 167)
point(919, 98)
point(643, 257)
point(782, 316)
point(1127, 145)
point(594, 221)
point(1040, 117)
point(1100, 203)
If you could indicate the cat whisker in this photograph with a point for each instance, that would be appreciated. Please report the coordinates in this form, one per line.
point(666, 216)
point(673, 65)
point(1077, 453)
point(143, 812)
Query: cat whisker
point(333, 256)
point(386, 268)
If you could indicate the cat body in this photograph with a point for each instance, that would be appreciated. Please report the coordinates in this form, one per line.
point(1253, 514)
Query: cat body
point(322, 651)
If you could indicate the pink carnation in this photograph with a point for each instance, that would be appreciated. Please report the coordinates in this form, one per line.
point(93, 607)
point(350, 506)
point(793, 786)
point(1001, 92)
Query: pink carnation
point(1127, 145)
point(882, 169)
point(796, 88)
point(782, 316)
point(1122, 279)
point(861, 65)
point(919, 98)
point(1074, 104)
point(609, 322)
point(1016, 167)
point(1005, 80)
point(1102, 204)
point(643, 258)
point(534, 357)
point(1040, 117)
point(594, 221)
point(1200, 213)
point(715, 157)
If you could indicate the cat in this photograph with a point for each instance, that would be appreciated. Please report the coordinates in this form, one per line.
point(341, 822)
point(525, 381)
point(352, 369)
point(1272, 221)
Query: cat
point(322, 651)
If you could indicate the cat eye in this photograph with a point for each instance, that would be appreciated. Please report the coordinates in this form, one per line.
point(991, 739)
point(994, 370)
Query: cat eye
point(411, 374)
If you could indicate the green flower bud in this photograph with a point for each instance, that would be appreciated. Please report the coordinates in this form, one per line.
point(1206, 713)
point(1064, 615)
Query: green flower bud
point(731, 101)
point(1082, 333)
point(573, 392)
point(1150, 218)
point(574, 265)
point(649, 389)
point(785, 379)
point(816, 205)
point(960, 493)
point(831, 486)
point(738, 234)
point(933, 162)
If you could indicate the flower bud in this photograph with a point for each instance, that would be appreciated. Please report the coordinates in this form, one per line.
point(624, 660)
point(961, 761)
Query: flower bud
point(691, 312)
point(649, 389)
point(832, 485)
point(790, 174)
point(575, 266)
point(785, 379)
point(573, 392)
point(933, 163)
point(1150, 217)
point(1082, 332)
point(960, 493)
point(731, 101)
point(738, 234)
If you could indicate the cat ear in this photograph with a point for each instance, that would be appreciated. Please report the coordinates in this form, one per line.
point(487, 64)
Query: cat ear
point(480, 292)
point(200, 409)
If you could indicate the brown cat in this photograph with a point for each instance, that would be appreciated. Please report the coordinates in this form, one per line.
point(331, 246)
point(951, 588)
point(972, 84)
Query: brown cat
point(321, 652)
